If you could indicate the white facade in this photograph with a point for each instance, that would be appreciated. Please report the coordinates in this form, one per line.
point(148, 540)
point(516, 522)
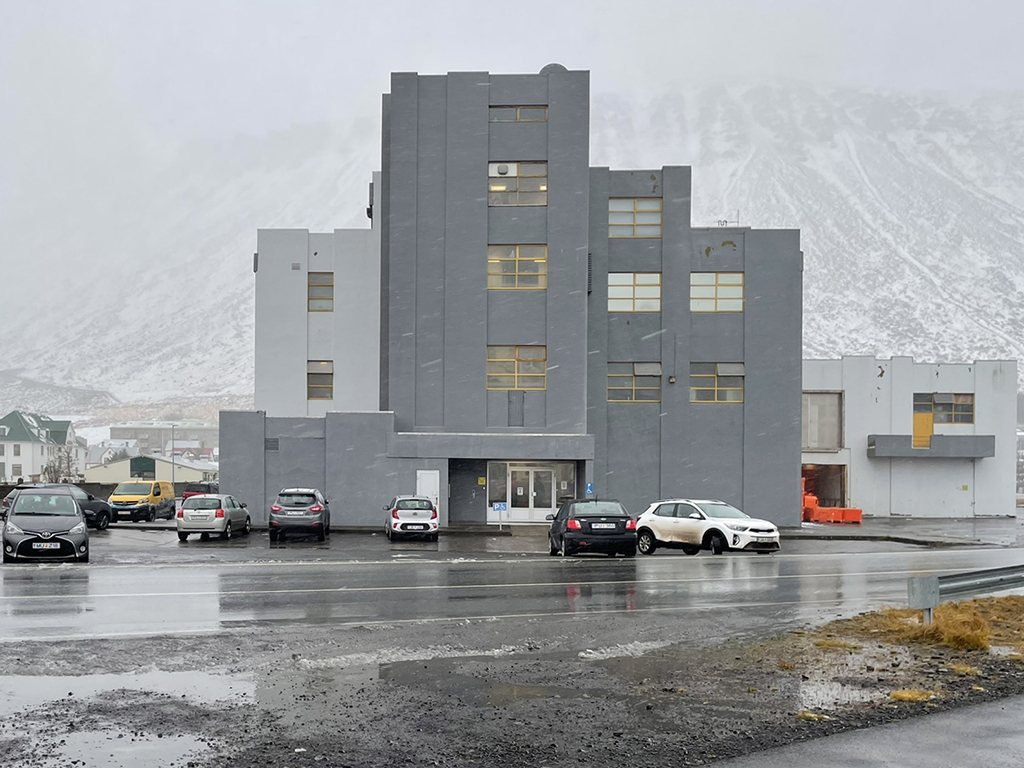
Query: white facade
point(29, 444)
point(289, 336)
point(968, 470)
point(179, 471)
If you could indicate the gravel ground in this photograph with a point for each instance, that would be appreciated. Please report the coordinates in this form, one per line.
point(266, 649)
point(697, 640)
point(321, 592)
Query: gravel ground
point(315, 698)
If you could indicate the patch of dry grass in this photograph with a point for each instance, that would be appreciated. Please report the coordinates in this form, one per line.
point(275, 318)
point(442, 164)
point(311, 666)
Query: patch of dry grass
point(837, 645)
point(964, 626)
point(907, 694)
point(785, 665)
point(813, 717)
point(959, 668)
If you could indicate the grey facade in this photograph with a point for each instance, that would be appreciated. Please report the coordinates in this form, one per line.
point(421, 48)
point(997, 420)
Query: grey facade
point(503, 341)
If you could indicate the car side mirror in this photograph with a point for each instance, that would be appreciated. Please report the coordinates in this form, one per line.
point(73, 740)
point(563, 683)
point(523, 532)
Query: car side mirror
point(242, 504)
point(695, 516)
point(385, 507)
point(549, 517)
point(91, 497)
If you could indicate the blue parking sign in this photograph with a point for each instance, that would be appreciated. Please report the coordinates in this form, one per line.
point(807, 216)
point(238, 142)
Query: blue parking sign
point(590, 489)
point(500, 506)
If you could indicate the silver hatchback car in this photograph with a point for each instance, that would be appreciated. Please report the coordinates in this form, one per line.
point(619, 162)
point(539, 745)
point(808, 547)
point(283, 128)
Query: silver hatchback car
point(212, 513)
point(411, 515)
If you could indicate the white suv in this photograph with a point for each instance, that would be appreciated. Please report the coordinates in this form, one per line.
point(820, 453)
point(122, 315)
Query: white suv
point(695, 524)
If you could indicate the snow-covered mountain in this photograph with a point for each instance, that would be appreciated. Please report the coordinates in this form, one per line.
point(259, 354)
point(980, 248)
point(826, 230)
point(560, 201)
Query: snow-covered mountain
point(911, 208)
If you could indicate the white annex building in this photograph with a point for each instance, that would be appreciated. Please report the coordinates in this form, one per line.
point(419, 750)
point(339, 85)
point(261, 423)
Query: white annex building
point(896, 437)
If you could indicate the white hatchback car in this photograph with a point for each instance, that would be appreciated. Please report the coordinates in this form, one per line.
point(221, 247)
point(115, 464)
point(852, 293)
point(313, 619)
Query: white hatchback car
point(695, 524)
point(410, 515)
point(212, 513)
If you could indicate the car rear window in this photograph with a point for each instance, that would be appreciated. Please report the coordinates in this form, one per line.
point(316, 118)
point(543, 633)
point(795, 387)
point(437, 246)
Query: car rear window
point(414, 504)
point(197, 488)
point(599, 508)
point(296, 499)
point(201, 502)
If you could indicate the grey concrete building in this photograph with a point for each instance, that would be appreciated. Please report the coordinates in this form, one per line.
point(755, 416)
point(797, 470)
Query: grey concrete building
point(539, 328)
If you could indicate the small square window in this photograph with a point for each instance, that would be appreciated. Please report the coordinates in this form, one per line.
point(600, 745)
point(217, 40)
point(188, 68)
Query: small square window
point(716, 382)
point(320, 380)
point(634, 217)
point(634, 292)
point(634, 383)
point(511, 267)
point(516, 367)
point(517, 184)
point(716, 291)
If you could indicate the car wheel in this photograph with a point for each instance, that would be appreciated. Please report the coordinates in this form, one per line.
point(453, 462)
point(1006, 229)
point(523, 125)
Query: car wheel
point(152, 516)
point(273, 535)
point(248, 526)
point(204, 537)
point(764, 551)
point(227, 530)
point(387, 532)
point(102, 521)
point(565, 550)
point(433, 537)
point(690, 549)
point(8, 558)
point(182, 536)
point(646, 542)
point(631, 552)
point(717, 544)
point(552, 547)
point(84, 559)
point(321, 534)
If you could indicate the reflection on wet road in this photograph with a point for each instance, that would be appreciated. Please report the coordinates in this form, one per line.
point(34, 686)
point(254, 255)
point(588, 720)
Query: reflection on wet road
point(427, 585)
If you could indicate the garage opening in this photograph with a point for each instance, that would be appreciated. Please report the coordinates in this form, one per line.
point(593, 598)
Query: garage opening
point(827, 482)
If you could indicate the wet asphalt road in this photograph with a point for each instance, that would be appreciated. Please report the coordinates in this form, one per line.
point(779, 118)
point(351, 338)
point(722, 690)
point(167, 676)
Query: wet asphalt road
point(147, 583)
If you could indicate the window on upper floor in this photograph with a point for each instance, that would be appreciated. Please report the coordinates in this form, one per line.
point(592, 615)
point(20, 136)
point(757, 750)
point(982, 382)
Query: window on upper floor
point(17, 449)
point(822, 421)
point(716, 382)
point(319, 380)
point(946, 408)
point(517, 367)
point(517, 267)
point(517, 184)
point(2, 449)
point(532, 114)
point(634, 382)
point(634, 292)
point(716, 291)
point(320, 292)
point(634, 217)
point(16, 470)
point(3, 431)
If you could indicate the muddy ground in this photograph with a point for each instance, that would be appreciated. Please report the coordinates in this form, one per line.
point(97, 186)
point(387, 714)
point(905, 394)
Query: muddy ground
point(283, 700)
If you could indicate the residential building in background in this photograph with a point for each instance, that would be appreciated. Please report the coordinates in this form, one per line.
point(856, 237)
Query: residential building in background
point(535, 328)
point(153, 468)
point(896, 437)
point(106, 451)
point(154, 436)
point(29, 442)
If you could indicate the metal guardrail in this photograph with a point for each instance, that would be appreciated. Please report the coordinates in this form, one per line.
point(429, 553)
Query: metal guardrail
point(927, 592)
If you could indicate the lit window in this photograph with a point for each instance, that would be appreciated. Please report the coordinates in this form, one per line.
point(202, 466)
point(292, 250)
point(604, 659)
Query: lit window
point(319, 380)
point(634, 382)
point(634, 217)
point(517, 184)
point(716, 382)
point(946, 408)
point(634, 292)
point(522, 267)
point(518, 114)
point(511, 367)
point(320, 292)
point(716, 291)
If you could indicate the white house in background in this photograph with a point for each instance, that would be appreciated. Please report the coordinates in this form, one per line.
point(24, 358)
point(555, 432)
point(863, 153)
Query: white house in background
point(30, 441)
point(106, 450)
point(895, 437)
point(153, 468)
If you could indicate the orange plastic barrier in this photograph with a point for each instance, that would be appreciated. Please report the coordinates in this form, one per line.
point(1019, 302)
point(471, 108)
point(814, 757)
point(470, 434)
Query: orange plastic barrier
point(812, 513)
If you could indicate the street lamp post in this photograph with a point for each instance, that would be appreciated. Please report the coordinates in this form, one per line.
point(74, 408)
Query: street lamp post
point(173, 490)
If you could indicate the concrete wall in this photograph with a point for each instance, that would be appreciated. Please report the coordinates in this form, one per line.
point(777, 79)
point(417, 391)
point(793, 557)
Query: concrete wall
point(878, 400)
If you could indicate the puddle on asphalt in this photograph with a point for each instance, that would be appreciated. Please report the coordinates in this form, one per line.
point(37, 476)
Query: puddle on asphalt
point(825, 689)
point(21, 692)
point(116, 749)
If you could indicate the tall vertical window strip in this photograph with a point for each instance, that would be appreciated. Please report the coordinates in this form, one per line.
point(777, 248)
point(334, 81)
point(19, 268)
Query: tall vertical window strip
point(634, 292)
point(716, 291)
point(320, 292)
point(515, 367)
point(534, 114)
point(517, 184)
point(716, 382)
point(946, 408)
point(320, 380)
point(512, 267)
point(634, 217)
point(634, 382)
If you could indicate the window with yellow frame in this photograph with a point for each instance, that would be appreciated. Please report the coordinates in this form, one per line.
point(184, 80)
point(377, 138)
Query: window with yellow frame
point(946, 408)
point(320, 292)
point(517, 367)
point(531, 114)
point(716, 382)
point(517, 184)
point(319, 380)
point(634, 382)
point(716, 291)
point(634, 292)
point(517, 267)
point(634, 217)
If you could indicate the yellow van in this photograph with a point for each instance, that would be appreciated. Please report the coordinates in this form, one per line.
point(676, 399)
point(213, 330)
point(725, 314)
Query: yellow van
point(144, 500)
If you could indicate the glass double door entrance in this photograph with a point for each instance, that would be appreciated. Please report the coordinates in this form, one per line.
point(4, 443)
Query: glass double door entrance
point(532, 493)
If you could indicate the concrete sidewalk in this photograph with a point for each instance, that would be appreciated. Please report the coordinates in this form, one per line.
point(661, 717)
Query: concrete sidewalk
point(930, 532)
point(986, 735)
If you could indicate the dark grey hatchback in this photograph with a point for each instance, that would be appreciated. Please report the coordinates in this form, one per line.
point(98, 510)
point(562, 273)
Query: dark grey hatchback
point(592, 525)
point(45, 525)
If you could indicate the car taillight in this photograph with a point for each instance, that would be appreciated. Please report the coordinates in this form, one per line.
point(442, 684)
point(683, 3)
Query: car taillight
point(573, 525)
point(631, 525)
point(275, 507)
point(394, 513)
point(433, 515)
point(181, 513)
point(220, 513)
point(316, 508)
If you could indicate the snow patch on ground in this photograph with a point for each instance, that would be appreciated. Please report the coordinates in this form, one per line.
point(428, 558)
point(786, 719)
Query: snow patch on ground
point(393, 655)
point(634, 649)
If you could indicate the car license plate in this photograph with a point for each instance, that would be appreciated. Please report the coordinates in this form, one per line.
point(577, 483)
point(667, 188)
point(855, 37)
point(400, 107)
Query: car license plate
point(199, 517)
point(45, 545)
point(763, 540)
point(295, 512)
point(416, 527)
point(602, 526)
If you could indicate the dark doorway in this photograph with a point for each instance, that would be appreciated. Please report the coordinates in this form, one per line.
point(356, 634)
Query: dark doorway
point(827, 482)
